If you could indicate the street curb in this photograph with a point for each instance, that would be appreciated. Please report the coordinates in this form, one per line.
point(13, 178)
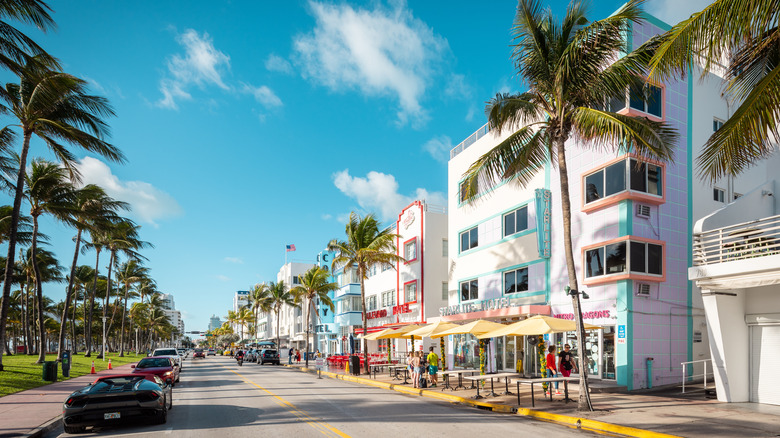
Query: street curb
point(46, 428)
point(566, 420)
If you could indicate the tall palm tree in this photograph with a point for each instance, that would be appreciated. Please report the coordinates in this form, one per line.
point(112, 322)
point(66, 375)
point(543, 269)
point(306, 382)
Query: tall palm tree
point(79, 279)
point(48, 191)
point(16, 47)
point(98, 231)
point(571, 68)
point(259, 302)
point(45, 269)
point(746, 36)
point(55, 107)
point(365, 246)
point(244, 317)
point(130, 272)
point(279, 295)
point(91, 204)
point(314, 287)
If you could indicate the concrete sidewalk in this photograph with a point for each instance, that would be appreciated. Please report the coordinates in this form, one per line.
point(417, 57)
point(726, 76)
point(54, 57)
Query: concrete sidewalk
point(36, 411)
point(661, 412)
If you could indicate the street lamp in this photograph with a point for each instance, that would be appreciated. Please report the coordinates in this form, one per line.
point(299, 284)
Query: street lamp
point(575, 299)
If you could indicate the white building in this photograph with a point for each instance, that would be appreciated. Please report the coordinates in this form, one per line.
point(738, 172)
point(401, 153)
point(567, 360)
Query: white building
point(174, 316)
point(292, 327)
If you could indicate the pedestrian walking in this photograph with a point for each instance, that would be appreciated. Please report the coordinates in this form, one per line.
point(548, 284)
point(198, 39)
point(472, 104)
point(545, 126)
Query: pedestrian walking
point(298, 355)
point(416, 369)
point(552, 371)
point(566, 361)
point(290, 356)
point(433, 367)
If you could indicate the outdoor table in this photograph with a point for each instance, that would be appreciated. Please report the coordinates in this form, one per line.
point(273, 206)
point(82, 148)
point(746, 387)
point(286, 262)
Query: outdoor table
point(490, 377)
point(460, 377)
point(506, 377)
point(395, 369)
point(376, 366)
point(532, 381)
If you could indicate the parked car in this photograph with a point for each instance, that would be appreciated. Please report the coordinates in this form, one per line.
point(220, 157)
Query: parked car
point(211, 352)
point(251, 355)
point(171, 352)
point(268, 355)
point(199, 353)
point(162, 366)
point(117, 398)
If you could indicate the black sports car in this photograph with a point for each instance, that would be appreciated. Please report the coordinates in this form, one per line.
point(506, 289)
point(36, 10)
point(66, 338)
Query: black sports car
point(113, 399)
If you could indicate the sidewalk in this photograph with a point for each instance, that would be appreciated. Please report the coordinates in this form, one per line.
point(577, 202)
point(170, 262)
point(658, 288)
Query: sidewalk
point(662, 412)
point(36, 411)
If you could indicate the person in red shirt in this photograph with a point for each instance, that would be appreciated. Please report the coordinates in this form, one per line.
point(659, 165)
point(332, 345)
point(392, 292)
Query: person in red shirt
point(552, 371)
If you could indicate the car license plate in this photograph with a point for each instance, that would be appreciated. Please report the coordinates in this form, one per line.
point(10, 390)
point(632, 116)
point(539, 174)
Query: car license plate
point(110, 415)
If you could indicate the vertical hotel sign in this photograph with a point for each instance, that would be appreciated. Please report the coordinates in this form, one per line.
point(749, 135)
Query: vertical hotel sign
point(543, 220)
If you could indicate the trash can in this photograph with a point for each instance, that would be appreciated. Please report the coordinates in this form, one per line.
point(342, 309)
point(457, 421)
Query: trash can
point(66, 363)
point(50, 371)
point(354, 365)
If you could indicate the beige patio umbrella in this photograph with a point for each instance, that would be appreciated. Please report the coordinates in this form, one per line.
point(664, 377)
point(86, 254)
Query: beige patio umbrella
point(431, 329)
point(374, 336)
point(473, 328)
point(536, 325)
point(402, 332)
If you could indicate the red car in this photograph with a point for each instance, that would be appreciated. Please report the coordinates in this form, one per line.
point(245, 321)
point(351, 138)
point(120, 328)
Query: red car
point(199, 353)
point(162, 366)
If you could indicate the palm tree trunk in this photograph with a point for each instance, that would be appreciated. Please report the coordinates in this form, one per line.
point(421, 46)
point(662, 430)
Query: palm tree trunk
point(308, 317)
point(88, 317)
point(365, 320)
point(122, 331)
point(38, 292)
point(12, 236)
point(74, 342)
point(584, 403)
point(278, 345)
point(68, 297)
point(105, 302)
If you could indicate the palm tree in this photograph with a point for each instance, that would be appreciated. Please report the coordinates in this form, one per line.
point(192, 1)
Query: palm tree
point(278, 296)
point(55, 107)
point(129, 273)
point(244, 317)
point(314, 286)
point(16, 47)
point(91, 204)
point(571, 68)
point(746, 36)
point(79, 279)
point(364, 247)
point(48, 191)
point(47, 268)
point(259, 301)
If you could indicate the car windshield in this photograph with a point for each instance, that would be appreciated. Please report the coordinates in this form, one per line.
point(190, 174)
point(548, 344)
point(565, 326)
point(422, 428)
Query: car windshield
point(199, 350)
point(153, 363)
point(269, 352)
point(166, 352)
point(108, 383)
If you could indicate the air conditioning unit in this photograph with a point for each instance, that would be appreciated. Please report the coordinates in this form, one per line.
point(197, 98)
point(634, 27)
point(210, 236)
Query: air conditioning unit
point(642, 290)
point(643, 210)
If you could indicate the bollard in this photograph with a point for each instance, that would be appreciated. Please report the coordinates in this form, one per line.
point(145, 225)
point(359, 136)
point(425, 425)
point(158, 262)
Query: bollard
point(649, 362)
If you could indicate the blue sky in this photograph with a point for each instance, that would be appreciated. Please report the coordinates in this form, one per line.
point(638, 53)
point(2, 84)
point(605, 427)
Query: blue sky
point(249, 125)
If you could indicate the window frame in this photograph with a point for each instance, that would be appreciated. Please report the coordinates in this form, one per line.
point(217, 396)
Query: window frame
point(629, 161)
point(514, 271)
point(515, 214)
point(412, 241)
point(627, 273)
point(474, 229)
point(474, 281)
point(406, 292)
point(629, 110)
point(719, 195)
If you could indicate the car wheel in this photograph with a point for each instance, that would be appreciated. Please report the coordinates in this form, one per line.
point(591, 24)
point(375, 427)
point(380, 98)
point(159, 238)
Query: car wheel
point(170, 401)
point(162, 417)
point(73, 429)
point(177, 379)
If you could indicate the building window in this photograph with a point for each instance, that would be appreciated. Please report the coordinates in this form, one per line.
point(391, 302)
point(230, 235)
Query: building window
point(445, 293)
point(410, 250)
point(649, 101)
point(445, 248)
point(716, 124)
point(719, 194)
point(516, 221)
point(388, 298)
point(516, 281)
point(350, 304)
point(611, 180)
point(296, 280)
point(469, 290)
point(410, 291)
point(469, 239)
point(371, 303)
point(644, 258)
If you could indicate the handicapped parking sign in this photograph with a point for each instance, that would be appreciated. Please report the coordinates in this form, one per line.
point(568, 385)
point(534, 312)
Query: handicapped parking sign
point(621, 332)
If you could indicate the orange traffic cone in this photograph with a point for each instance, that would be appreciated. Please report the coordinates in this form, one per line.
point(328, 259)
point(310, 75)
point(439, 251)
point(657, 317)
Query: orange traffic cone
point(92, 371)
point(109, 365)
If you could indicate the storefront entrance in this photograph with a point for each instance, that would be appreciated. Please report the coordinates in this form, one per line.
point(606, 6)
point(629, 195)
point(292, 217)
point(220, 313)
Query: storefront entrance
point(599, 350)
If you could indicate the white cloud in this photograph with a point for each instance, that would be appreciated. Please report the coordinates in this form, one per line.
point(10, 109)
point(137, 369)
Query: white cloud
point(674, 11)
point(223, 278)
point(380, 52)
point(326, 217)
point(279, 64)
point(378, 192)
point(439, 148)
point(201, 64)
point(148, 202)
point(264, 95)
point(457, 88)
point(236, 260)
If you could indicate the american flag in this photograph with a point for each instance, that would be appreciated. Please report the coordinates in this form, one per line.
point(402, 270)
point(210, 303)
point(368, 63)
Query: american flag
point(290, 247)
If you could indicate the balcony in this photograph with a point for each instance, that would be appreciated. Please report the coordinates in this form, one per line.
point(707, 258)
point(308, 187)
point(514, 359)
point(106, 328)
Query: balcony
point(747, 240)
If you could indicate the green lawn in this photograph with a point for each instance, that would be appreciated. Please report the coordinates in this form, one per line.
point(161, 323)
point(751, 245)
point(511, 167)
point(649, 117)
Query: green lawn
point(21, 372)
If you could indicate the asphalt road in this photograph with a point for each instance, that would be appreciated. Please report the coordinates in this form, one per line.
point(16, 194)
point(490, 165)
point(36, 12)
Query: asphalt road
point(217, 398)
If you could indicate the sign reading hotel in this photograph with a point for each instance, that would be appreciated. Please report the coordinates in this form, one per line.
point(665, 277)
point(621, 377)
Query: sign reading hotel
point(543, 220)
point(476, 306)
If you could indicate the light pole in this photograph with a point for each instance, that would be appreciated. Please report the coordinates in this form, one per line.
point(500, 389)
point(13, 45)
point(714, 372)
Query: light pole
point(136, 341)
point(104, 339)
point(584, 387)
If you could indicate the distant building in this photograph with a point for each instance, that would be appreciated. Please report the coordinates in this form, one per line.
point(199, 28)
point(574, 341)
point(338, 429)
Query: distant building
point(174, 316)
point(214, 322)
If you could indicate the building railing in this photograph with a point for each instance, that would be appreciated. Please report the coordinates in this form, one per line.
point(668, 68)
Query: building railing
point(737, 242)
point(470, 140)
point(704, 374)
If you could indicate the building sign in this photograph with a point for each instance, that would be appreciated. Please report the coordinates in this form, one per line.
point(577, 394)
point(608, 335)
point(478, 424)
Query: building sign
point(401, 308)
point(376, 314)
point(596, 314)
point(543, 220)
point(621, 334)
point(409, 219)
point(242, 295)
point(476, 306)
